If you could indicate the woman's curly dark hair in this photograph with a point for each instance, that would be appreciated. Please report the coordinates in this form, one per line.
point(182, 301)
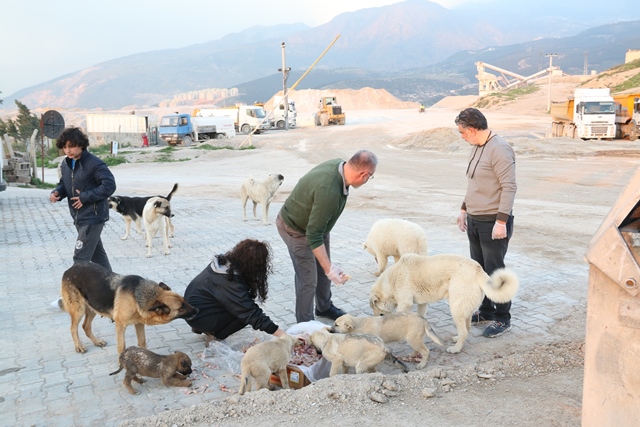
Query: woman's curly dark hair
point(251, 260)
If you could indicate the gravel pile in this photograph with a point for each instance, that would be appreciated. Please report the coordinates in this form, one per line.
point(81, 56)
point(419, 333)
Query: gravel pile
point(365, 395)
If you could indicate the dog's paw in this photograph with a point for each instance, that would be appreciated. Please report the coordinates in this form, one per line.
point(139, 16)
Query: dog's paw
point(452, 350)
point(167, 253)
point(81, 349)
point(149, 255)
point(124, 237)
point(100, 343)
point(170, 245)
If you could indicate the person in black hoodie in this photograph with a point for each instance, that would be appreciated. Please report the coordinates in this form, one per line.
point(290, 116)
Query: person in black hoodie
point(87, 183)
point(225, 292)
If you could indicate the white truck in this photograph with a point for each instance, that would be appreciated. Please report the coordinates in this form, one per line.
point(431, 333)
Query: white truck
point(246, 118)
point(279, 113)
point(183, 129)
point(590, 114)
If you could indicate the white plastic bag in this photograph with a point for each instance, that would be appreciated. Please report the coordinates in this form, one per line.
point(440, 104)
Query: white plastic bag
point(219, 353)
point(322, 367)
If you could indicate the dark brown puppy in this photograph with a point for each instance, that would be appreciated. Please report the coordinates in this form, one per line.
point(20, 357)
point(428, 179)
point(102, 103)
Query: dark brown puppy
point(173, 369)
point(89, 289)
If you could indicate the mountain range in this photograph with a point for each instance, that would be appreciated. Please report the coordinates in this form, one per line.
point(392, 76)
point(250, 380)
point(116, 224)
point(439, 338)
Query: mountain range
point(416, 49)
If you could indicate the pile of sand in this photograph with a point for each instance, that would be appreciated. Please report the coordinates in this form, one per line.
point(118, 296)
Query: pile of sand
point(350, 100)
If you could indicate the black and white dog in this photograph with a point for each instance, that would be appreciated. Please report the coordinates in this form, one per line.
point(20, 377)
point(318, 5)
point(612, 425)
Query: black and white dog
point(131, 209)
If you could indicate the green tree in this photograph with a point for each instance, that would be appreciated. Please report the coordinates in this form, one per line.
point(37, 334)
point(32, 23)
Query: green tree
point(25, 122)
point(12, 130)
point(3, 128)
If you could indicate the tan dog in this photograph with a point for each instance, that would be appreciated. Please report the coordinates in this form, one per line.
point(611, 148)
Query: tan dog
point(394, 237)
point(418, 279)
point(155, 211)
point(363, 352)
point(260, 192)
point(394, 327)
point(89, 289)
point(173, 369)
point(262, 359)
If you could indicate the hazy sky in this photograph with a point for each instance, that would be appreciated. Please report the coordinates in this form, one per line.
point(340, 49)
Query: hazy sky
point(44, 39)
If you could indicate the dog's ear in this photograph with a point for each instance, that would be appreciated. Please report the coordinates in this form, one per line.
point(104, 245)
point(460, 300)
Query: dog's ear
point(163, 286)
point(157, 204)
point(160, 308)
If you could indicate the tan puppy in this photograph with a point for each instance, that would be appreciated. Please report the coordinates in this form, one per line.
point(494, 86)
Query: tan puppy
point(262, 359)
point(363, 352)
point(418, 279)
point(260, 192)
point(89, 289)
point(394, 237)
point(394, 327)
point(173, 369)
point(153, 215)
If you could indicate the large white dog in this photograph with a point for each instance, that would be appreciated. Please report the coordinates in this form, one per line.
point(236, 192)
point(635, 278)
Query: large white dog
point(419, 279)
point(394, 237)
point(260, 192)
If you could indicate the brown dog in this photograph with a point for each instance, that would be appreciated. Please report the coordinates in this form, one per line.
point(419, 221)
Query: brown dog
point(89, 289)
point(173, 369)
point(261, 360)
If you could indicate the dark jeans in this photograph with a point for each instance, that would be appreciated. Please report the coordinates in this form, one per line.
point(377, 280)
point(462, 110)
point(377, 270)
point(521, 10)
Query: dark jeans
point(490, 255)
point(310, 281)
point(89, 245)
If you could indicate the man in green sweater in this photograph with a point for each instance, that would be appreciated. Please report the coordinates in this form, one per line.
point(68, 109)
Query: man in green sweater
point(305, 221)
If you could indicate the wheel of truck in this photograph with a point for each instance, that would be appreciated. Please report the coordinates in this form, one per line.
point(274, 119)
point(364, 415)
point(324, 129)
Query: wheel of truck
point(280, 124)
point(342, 122)
point(316, 119)
point(187, 141)
point(246, 129)
point(220, 136)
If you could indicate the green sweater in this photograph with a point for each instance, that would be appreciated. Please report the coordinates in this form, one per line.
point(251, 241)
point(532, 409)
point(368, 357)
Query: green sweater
point(316, 202)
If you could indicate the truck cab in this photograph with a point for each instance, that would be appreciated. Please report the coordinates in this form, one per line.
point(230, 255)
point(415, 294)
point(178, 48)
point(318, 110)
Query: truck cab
point(183, 129)
point(595, 118)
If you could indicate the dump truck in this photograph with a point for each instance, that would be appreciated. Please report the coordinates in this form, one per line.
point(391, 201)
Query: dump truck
point(329, 112)
point(183, 129)
point(589, 114)
point(246, 118)
point(627, 107)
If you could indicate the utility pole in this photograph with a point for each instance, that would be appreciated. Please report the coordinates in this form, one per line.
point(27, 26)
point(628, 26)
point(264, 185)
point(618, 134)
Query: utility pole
point(586, 61)
point(550, 55)
point(285, 98)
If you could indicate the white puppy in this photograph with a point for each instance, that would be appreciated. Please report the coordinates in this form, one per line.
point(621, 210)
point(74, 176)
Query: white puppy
point(260, 192)
point(394, 237)
point(153, 215)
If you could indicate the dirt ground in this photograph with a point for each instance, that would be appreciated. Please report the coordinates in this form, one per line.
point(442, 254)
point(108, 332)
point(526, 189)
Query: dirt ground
point(566, 188)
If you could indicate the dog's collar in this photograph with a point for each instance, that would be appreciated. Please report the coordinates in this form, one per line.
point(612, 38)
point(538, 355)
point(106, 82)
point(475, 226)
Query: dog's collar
point(217, 268)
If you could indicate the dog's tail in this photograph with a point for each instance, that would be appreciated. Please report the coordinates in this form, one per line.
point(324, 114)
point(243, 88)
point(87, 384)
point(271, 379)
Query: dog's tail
point(431, 334)
point(117, 372)
point(394, 361)
point(502, 286)
point(175, 188)
point(243, 385)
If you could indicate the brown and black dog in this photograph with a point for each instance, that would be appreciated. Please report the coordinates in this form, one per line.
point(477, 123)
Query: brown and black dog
point(173, 369)
point(89, 289)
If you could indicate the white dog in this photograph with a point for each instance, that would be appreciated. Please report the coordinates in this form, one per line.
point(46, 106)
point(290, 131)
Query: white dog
point(260, 192)
point(394, 237)
point(153, 215)
point(419, 279)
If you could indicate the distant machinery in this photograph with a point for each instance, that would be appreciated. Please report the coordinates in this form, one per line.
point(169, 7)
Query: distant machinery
point(490, 83)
